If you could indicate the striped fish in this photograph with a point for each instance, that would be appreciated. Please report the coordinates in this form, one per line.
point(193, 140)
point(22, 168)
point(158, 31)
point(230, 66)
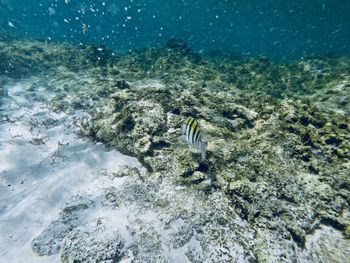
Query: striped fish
point(192, 133)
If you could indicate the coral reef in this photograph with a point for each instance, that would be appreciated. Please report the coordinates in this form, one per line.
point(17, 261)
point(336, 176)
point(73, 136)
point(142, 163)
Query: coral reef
point(20, 58)
point(278, 156)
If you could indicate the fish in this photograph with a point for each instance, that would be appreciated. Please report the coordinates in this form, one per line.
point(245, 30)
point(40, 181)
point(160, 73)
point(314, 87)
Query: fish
point(193, 135)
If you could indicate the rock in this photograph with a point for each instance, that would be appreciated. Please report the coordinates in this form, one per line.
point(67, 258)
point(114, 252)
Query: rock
point(49, 241)
point(326, 245)
point(197, 177)
point(81, 246)
point(98, 55)
point(122, 84)
point(178, 45)
point(280, 249)
point(182, 236)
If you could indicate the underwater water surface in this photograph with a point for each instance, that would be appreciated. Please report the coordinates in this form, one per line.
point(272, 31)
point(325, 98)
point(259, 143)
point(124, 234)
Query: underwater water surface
point(174, 131)
point(276, 29)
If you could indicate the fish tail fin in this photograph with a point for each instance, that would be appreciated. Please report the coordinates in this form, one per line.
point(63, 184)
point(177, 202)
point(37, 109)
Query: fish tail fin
point(203, 149)
point(184, 127)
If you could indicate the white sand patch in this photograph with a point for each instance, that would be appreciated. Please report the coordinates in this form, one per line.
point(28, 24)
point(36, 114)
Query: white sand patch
point(42, 164)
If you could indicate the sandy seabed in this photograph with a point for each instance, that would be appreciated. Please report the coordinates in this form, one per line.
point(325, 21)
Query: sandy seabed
point(43, 162)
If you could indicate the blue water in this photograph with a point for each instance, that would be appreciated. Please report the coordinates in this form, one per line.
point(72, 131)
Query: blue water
point(278, 29)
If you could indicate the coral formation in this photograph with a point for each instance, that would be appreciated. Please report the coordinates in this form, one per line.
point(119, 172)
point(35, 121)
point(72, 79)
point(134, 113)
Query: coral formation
point(278, 156)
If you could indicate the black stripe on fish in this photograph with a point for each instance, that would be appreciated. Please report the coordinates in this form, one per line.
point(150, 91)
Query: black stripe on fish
point(197, 135)
point(189, 128)
point(186, 127)
point(193, 129)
